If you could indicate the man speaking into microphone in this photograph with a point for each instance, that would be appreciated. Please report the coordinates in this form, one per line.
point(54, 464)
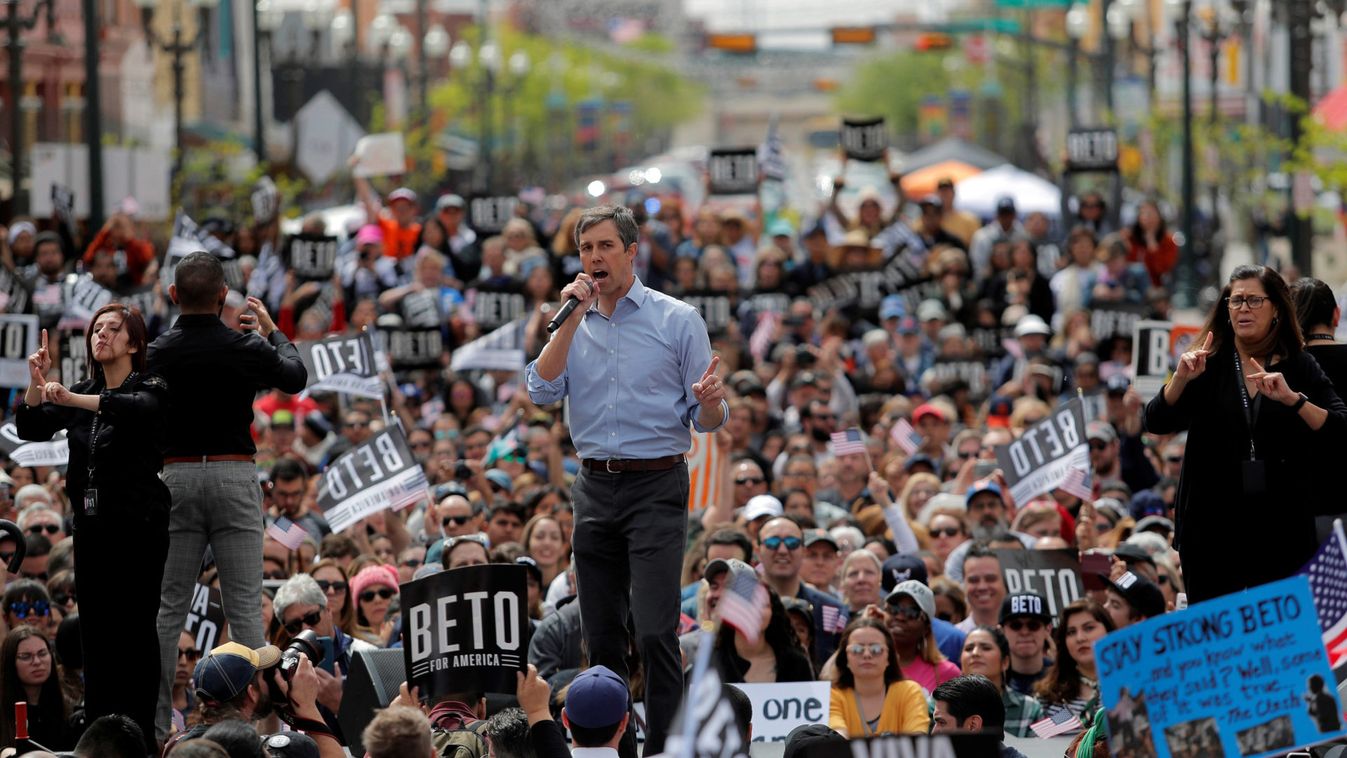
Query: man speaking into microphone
point(637, 365)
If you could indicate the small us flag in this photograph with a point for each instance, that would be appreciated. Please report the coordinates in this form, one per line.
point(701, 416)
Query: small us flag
point(905, 436)
point(1078, 482)
point(760, 342)
point(287, 532)
point(834, 619)
point(742, 604)
point(848, 442)
point(409, 493)
point(1058, 723)
point(1327, 572)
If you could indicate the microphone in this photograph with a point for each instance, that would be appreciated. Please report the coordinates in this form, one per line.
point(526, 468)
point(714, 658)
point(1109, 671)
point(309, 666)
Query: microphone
point(562, 314)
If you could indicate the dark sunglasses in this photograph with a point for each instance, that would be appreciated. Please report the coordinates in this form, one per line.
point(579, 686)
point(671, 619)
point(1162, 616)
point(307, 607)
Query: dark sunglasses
point(311, 619)
point(755, 480)
point(1173, 459)
point(1019, 625)
point(23, 610)
point(412, 563)
point(277, 574)
point(1097, 445)
point(949, 531)
point(190, 653)
point(909, 612)
point(330, 586)
point(61, 598)
point(383, 592)
point(455, 520)
point(40, 528)
point(774, 543)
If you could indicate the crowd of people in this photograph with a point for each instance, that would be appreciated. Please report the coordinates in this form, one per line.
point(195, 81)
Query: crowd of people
point(881, 563)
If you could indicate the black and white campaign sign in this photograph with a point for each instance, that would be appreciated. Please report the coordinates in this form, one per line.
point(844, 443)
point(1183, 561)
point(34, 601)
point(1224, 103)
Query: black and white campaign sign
point(733, 171)
point(56, 452)
point(376, 475)
point(494, 307)
point(864, 290)
point(83, 297)
point(18, 340)
point(864, 139)
point(466, 630)
point(947, 371)
point(955, 745)
point(206, 617)
point(1150, 356)
point(312, 257)
point(14, 294)
point(1053, 574)
point(1092, 150)
point(490, 213)
point(1108, 320)
point(500, 350)
point(413, 348)
point(342, 364)
point(716, 309)
point(1046, 453)
point(186, 229)
point(74, 356)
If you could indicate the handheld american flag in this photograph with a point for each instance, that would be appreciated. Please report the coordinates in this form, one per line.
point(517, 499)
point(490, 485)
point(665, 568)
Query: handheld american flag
point(287, 532)
point(834, 619)
point(742, 605)
point(1061, 722)
point(1078, 482)
point(1327, 572)
point(848, 442)
point(905, 436)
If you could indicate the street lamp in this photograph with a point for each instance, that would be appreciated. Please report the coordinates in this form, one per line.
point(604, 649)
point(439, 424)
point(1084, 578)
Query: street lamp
point(178, 47)
point(16, 24)
point(1077, 26)
point(1116, 16)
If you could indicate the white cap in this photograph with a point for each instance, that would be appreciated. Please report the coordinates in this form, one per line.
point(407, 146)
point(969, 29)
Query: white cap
point(1032, 324)
point(762, 505)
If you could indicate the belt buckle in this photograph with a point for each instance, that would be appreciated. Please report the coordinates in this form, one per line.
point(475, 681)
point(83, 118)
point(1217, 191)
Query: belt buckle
point(608, 466)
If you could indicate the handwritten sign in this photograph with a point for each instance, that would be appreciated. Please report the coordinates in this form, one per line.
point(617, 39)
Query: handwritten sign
point(380, 155)
point(1245, 674)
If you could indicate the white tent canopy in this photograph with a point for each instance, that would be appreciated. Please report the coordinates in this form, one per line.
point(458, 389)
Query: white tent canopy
point(978, 194)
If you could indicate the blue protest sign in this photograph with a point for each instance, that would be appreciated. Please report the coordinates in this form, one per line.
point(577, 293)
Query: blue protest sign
point(1242, 675)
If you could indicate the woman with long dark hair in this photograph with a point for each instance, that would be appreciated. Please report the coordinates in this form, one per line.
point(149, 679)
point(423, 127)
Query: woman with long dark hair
point(1070, 683)
point(1256, 406)
point(114, 421)
point(986, 651)
point(869, 694)
point(777, 656)
point(1150, 243)
point(1318, 313)
point(28, 674)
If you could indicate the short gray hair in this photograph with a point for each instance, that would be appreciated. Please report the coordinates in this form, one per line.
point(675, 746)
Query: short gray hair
point(36, 509)
point(300, 589)
point(621, 217)
point(31, 492)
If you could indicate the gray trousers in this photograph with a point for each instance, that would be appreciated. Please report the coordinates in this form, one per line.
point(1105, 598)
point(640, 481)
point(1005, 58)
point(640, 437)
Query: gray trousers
point(217, 504)
point(630, 531)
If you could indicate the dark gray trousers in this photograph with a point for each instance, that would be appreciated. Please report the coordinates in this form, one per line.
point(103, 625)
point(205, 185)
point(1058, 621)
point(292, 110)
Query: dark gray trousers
point(630, 531)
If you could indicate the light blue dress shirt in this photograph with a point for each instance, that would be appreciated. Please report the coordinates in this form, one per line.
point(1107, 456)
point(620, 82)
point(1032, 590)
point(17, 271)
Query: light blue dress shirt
point(630, 378)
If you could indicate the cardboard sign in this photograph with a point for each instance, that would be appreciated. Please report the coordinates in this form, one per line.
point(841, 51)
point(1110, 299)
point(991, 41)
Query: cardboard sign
point(779, 708)
point(1150, 356)
point(466, 629)
point(864, 139)
point(716, 309)
point(733, 171)
point(1109, 320)
point(342, 364)
point(1046, 453)
point(312, 257)
point(205, 618)
point(1054, 574)
point(74, 356)
point(18, 340)
point(413, 348)
point(380, 155)
point(376, 475)
point(493, 308)
point(500, 350)
point(489, 214)
point(1242, 675)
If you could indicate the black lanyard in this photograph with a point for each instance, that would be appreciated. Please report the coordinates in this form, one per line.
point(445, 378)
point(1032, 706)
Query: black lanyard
point(1250, 415)
point(96, 428)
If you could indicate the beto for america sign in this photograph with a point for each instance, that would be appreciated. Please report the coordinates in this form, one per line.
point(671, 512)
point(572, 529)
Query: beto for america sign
point(466, 629)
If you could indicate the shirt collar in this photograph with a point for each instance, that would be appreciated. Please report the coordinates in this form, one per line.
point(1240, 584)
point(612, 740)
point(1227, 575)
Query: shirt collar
point(636, 293)
point(198, 319)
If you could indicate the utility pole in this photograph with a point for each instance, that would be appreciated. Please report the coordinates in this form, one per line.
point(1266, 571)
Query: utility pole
point(1298, 15)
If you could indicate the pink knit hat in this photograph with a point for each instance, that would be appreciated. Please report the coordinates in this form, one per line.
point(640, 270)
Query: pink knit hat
point(373, 575)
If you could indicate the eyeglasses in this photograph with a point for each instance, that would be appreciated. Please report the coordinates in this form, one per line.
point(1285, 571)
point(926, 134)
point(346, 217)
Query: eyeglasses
point(1098, 445)
point(275, 574)
point(62, 598)
point(24, 609)
point(412, 563)
point(1020, 625)
point(1253, 301)
point(39, 655)
point(873, 650)
point(949, 531)
point(1173, 459)
point(909, 612)
point(190, 653)
point(383, 593)
point(753, 480)
point(330, 586)
point(774, 543)
point(455, 520)
point(40, 528)
point(310, 619)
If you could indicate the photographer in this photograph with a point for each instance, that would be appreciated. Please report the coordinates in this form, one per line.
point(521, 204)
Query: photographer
point(301, 604)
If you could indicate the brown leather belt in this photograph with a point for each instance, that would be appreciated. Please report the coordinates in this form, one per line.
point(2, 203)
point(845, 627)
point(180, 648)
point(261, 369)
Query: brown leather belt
point(232, 458)
point(622, 466)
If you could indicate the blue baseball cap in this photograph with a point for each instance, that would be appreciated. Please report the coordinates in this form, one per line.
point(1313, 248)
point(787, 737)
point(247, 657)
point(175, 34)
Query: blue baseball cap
point(892, 307)
point(500, 479)
point(985, 485)
point(230, 668)
point(597, 698)
point(781, 228)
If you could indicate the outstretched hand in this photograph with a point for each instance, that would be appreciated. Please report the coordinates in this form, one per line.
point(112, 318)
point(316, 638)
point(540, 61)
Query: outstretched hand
point(709, 390)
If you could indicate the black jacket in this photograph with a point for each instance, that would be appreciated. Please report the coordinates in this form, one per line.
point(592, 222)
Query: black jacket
point(130, 445)
point(216, 373)
point(555, 645)
point(1219, 525)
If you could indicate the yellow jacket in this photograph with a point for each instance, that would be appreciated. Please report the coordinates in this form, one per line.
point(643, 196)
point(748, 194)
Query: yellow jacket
point(905, 711)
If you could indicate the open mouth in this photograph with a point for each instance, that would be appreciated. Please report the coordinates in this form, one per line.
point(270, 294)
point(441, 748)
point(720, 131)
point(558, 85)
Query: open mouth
point(600, 274)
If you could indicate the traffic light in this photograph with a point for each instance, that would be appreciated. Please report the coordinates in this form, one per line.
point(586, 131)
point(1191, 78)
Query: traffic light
point(742, 44)
point(933, 42)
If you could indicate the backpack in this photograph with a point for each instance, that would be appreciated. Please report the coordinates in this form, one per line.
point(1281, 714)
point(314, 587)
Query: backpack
point(468, 742)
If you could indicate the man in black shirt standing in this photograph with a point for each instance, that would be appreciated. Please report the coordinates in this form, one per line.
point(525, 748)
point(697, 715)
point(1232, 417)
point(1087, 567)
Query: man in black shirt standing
point(215, 373)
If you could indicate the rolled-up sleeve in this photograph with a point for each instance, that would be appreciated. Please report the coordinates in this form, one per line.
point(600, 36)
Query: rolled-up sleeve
point(541, 391)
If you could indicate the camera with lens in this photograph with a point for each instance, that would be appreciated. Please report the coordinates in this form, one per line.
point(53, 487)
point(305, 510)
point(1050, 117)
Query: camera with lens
point(304, 644)
point(461, 471)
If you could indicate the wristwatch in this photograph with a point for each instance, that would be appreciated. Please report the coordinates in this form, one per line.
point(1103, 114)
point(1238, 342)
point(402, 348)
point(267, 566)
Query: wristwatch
point(1300, 403)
